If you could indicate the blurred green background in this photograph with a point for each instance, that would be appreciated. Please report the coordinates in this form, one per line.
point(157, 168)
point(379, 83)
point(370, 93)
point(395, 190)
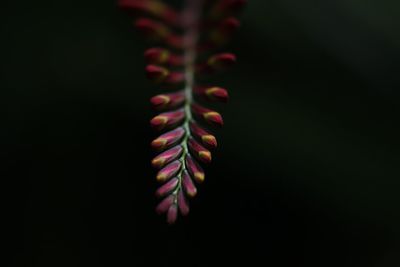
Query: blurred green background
point(307, 172)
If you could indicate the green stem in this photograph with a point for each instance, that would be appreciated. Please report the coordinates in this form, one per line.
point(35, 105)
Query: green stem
point(190, 19)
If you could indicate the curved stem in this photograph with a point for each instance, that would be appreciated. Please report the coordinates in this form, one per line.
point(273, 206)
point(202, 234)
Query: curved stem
point(190, 20)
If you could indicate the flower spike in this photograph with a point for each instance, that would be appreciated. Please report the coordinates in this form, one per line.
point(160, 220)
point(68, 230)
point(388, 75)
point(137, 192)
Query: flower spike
point(187, 45)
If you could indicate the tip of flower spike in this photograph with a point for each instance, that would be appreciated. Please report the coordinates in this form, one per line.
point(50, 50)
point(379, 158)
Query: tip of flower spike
point(165, 204)
point(214, 117)
point(182, 203)
point(158, 122)
point(156, 73)
point(172, 214)
point(210, 140)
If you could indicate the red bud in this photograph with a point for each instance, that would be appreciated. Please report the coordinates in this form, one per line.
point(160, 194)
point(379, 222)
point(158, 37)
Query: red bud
point(161, 56)
point(169, 171)
point(168, 101)
point(188, 184)
point(166, 157)
point(194, 169)
point(183, 204)
point(168, 139)
point(167, 188)
point(199, 151)
point(167, 119)
point(172, 214)
point(165, 204)
point(221, 61)
point(207, 139)
point(208, 115)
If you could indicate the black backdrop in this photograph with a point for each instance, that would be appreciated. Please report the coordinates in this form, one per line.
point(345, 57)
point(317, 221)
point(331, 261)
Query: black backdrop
point(307, 170)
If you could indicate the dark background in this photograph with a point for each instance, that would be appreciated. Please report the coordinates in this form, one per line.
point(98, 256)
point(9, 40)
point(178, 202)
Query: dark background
point(307, 172)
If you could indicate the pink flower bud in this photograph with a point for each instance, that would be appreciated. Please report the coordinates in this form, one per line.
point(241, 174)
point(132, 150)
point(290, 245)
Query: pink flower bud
point(194, 169)
point(156, 73)
point(168, 139)
point(165, 204)
point(162, 56)
point(167, 188)
point(199, 151)
point(172, 214)
point(207, 139)
point(212, 93)
point(188, 184)
point(183, 204)
point(208, 115)
point(174, 78)
point(169, 171)
point(168, 101)
point(221, 61)
point(166, 157)
point(167, 119)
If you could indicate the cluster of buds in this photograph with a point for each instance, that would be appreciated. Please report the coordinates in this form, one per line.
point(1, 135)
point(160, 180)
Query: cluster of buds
point(187, 48)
